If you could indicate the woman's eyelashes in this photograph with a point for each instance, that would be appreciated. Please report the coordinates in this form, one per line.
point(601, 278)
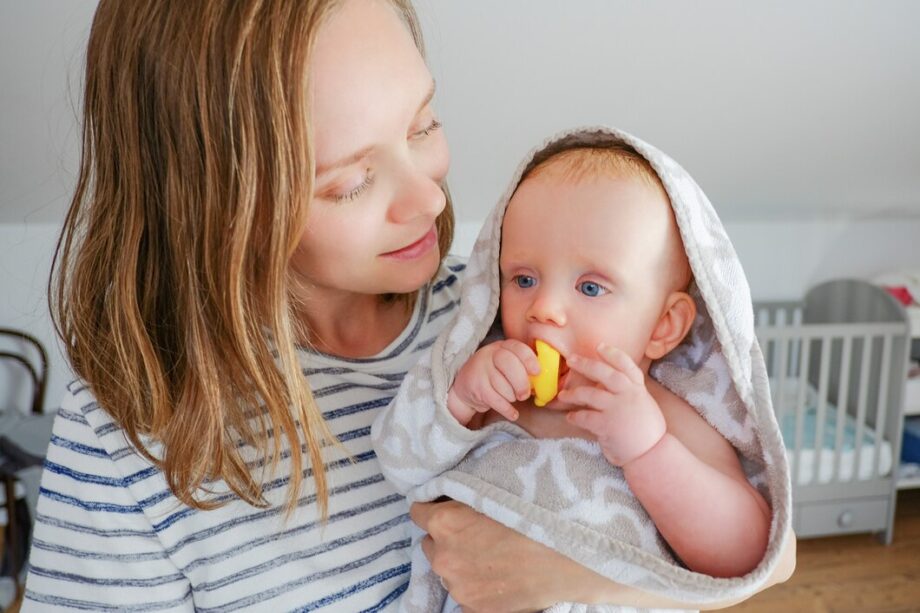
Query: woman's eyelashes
point(368, 179)
point(356, 191)
point(426, 131)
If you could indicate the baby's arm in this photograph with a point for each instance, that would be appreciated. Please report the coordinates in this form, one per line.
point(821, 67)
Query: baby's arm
point(685, 474)
point(692, 485)
point(492, 379)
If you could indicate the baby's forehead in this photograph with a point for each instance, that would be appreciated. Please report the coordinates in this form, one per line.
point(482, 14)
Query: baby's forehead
point(617, 161)
point(642, 203)
point(605, 193)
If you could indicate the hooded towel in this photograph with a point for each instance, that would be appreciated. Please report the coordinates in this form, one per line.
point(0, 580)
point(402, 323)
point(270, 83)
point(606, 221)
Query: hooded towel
point(562, 492)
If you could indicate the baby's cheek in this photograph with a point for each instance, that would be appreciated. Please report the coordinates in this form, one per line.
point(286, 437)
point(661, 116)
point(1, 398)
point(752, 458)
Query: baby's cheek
point(507, 310)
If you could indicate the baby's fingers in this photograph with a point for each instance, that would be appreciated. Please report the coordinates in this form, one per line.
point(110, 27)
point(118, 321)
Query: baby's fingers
point(501, 405)
point(586, 419)
point(514, 370)
point(600, 372)
point(620, 360)
point(524, 354)
point(587, 396)
point(501, 386)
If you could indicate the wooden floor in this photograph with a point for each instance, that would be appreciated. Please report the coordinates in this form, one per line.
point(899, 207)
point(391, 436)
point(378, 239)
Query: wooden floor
point(853, 573)
point(849, 573)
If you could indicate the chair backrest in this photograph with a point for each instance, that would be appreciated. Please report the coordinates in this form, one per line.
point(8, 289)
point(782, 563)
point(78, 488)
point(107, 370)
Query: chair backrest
point(38, 373)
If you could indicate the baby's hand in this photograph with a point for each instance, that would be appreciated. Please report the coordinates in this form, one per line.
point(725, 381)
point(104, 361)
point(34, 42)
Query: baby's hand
point(619, 410)
point(492, 379)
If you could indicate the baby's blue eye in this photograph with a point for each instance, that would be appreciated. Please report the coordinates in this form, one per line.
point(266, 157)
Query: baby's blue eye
point(590, 288)
point(525, 281)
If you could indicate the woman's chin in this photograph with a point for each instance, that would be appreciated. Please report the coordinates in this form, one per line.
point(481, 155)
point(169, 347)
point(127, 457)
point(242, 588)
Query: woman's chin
point(408, 277)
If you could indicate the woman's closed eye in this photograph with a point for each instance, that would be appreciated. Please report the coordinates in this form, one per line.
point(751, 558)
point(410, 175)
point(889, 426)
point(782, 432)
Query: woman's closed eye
point(592, 289)
point(427, 130)
point(353, 192)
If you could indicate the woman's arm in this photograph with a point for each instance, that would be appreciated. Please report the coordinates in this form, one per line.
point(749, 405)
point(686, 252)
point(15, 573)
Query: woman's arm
point(487, 566)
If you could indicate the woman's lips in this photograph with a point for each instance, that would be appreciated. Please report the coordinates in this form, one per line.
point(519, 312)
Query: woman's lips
point(416, 249)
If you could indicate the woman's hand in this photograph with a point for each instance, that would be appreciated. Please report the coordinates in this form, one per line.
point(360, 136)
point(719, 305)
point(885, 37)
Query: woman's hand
point(488, 567)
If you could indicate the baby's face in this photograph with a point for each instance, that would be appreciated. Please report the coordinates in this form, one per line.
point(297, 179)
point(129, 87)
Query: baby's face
point(582, 263)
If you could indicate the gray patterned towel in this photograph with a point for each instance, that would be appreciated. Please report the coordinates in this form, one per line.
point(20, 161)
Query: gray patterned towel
point(563, 493)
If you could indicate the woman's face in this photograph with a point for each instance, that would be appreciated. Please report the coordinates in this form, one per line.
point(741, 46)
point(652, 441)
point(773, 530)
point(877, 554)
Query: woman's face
point(380, 158)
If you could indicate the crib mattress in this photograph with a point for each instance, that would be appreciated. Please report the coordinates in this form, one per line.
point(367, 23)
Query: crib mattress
point(812, 470)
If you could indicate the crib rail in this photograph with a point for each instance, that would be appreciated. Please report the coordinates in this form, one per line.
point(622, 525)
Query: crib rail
point(851, 368)
point(838, 364)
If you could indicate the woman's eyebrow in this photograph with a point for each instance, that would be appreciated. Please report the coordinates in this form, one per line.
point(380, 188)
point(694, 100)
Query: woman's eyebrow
point(362, 153)
point(346, 161)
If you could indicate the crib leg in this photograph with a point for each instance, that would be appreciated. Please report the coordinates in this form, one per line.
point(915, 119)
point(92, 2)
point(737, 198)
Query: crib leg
point(887, 535)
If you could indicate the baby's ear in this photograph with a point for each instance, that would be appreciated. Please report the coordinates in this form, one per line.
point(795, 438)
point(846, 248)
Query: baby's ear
point(673, 325)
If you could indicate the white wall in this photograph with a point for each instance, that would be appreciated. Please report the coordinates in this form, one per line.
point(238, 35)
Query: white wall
point(791, 109)
point(42, 45)
point(25, 259)
point(41, 59)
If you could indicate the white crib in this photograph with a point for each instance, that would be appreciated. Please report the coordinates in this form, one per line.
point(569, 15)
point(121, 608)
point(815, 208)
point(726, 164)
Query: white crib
point(837, 363)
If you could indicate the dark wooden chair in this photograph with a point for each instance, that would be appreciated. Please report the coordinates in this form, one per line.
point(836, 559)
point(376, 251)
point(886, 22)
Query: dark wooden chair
point(24, 436)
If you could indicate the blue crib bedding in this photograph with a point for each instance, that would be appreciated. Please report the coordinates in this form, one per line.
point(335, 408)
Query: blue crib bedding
point(820, 466)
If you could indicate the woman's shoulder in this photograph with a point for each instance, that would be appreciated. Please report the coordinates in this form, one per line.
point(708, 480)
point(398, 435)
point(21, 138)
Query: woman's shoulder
point(80, 408)
point(85, 434)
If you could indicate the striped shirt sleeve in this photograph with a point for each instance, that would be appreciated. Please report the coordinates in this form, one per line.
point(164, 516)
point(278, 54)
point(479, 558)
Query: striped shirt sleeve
point(93, 547)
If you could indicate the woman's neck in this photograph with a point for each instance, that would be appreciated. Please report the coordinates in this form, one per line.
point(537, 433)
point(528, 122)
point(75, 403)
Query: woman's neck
point(352, 325)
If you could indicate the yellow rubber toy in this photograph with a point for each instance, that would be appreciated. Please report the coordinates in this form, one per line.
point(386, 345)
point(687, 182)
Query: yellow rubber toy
point(546, 384)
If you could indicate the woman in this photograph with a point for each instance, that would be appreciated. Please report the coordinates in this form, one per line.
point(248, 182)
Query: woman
point(260, 199)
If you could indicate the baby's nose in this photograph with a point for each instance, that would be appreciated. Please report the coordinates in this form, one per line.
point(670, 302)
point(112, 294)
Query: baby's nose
point(547, 309)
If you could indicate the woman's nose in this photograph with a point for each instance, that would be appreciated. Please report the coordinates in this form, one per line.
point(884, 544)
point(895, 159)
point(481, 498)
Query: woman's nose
point(418, 195)
point(547, 308)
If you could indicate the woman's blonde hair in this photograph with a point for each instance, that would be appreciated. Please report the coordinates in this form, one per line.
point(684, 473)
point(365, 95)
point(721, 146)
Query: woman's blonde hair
point(171, 289)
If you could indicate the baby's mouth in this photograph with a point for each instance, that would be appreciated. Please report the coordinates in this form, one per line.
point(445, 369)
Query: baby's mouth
point(563, 372)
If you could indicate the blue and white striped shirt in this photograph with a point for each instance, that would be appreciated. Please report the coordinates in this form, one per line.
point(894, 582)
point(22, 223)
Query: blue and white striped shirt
point(109, 534)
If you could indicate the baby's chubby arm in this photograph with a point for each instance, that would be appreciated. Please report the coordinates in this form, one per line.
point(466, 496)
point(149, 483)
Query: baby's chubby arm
point(685, 474)
point(492, 379)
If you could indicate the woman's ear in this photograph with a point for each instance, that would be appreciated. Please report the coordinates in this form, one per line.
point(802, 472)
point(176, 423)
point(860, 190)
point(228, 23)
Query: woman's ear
point(675, 321)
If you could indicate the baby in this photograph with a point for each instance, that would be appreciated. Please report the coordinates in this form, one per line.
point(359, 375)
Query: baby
point(592, 263)
point(659, 464)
